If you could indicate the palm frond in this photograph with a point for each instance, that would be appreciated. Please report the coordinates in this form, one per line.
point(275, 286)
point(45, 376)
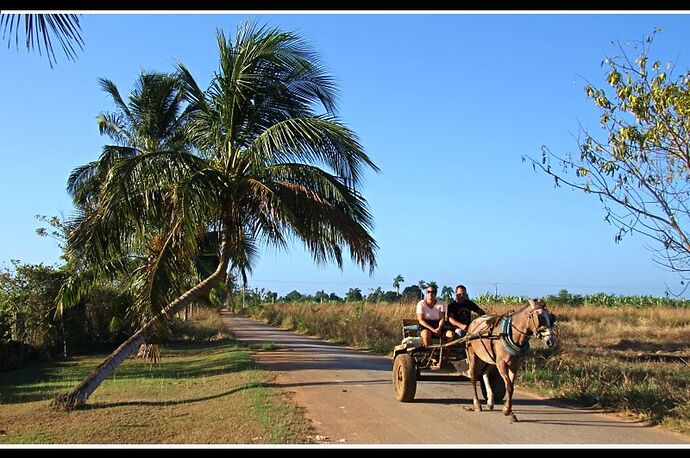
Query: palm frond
point(40, 31)
point(321, 140)
point(110, 87)
point(84, 183)
point(114, 125)
point(316, 207)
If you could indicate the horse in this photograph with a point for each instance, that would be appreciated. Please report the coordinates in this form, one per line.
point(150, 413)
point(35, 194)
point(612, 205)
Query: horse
point(503, 341)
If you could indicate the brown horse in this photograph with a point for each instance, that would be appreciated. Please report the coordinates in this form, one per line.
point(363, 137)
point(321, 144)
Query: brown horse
point(503, 342)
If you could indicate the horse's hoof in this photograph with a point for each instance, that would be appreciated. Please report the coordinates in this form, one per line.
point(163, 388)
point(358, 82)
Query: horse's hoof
point(490, 406)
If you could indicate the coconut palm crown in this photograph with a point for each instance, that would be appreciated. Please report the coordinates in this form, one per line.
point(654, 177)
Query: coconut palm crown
point(266, 167)
point(149, 125)
point(265, 149)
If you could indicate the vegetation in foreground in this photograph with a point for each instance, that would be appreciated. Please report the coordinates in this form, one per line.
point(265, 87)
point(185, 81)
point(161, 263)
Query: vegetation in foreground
point(207, 392)
point(627, 360)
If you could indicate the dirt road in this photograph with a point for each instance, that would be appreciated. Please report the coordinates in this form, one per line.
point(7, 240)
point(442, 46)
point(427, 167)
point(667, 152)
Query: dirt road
point(348, 396)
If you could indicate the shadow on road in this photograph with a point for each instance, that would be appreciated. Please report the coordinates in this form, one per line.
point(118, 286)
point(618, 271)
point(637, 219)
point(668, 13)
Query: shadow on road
point(344, 384)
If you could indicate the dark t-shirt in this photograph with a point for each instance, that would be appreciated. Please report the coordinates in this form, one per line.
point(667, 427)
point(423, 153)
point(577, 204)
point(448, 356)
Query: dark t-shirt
point(463, 311)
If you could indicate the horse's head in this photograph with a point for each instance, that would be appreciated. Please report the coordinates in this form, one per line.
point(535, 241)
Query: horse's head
point(542, 322)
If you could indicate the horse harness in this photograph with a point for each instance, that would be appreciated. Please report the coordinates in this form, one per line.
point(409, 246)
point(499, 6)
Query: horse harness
point(506, 335)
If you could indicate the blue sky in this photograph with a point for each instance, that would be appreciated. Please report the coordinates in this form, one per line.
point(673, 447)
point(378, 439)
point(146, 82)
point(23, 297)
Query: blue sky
point(445, 104)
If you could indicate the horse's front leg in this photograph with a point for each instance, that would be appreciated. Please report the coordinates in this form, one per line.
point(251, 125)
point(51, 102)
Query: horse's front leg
point(508, 377)
point(473, 361)
point(489, 392)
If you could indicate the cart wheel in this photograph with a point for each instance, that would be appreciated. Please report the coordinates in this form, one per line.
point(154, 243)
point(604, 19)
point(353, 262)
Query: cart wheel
point(497, 385)
point(404, 378)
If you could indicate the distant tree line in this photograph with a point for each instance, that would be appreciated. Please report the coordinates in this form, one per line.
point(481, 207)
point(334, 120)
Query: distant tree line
point(32, 326)
point(256, 297)
point(377, 295)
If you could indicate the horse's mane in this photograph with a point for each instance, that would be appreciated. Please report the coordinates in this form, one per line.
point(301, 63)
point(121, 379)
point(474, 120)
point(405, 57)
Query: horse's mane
point(532, 304)
point(495, 318)
point(492, 320)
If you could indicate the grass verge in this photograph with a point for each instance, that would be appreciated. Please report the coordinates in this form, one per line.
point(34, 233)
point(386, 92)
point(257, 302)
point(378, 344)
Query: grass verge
point(200, 392)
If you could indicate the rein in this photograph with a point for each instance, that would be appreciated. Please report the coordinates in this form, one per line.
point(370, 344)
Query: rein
point(484, 338)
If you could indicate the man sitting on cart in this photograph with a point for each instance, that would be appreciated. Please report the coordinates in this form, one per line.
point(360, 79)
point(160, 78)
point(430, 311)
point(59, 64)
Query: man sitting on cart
point(431, 315)
point(460, 313)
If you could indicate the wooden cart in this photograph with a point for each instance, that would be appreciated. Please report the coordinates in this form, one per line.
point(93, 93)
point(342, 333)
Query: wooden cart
point(447, 361)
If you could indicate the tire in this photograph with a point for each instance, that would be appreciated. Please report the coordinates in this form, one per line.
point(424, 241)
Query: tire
point(497, 385)
point(404, 378)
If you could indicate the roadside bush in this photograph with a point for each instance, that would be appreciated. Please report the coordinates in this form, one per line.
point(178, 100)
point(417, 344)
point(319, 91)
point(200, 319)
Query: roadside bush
point(14, 354)
point(27, 306)
point(205, 324)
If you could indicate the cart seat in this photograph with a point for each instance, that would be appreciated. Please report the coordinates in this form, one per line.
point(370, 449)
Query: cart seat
point(410, 328)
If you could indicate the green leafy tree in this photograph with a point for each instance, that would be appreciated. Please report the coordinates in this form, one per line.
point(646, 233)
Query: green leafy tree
point(321, 296)
point(412, 293)
point(397, 281)
point(376, 295)
point(639, 167)
point(271, 297)
point(293, 296)
point(267, 166)
point(354, 295)
point(27, 305)
point(391, 296)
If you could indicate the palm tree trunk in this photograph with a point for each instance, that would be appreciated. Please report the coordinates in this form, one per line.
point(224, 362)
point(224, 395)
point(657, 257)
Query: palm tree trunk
point(78, 396)
point(64, 339)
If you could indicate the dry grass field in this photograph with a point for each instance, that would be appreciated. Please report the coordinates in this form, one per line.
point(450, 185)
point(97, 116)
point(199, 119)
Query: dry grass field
point(634, 361)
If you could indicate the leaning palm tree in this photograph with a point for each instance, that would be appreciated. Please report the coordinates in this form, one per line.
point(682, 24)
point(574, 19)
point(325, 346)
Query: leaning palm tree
point(41, 29)
point(150, 123)
point(267, 168)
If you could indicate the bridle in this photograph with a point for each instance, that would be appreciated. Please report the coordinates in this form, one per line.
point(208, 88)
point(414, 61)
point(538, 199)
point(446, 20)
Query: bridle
point(541, 331)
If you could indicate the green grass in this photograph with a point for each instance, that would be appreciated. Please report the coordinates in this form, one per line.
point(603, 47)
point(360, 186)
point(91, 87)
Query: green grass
point(200, 392)
point(268, 346)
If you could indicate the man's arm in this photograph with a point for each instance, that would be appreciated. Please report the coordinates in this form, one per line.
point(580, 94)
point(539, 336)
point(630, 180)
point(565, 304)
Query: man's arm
point(477, 309)
point(454, 321)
